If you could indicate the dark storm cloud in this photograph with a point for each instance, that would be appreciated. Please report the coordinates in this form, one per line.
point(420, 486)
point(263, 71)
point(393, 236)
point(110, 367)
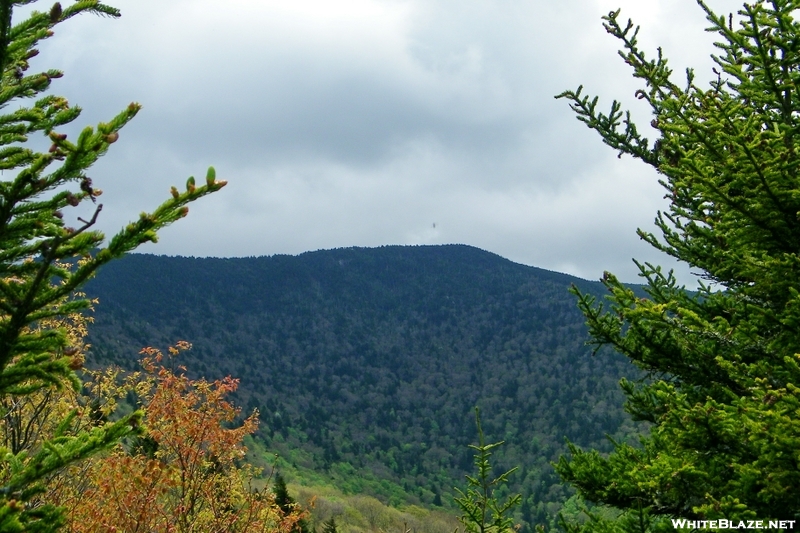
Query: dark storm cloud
point(342, 123)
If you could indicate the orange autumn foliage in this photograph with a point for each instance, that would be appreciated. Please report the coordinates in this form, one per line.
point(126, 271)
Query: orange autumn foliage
point(183, 475)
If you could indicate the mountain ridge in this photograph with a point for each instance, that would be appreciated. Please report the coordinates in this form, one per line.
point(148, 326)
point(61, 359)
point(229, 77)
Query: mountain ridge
point(373, 359)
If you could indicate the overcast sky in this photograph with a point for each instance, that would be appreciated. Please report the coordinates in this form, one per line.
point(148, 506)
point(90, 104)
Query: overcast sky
point(368, 122)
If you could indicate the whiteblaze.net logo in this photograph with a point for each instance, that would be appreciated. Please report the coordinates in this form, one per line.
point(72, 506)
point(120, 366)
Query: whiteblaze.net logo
point(680, 523)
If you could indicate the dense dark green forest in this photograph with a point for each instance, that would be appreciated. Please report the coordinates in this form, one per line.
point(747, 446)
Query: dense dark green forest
point(367, 363)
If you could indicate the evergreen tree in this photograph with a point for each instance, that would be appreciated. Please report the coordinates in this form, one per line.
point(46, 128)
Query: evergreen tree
point(40, 269)
point(287, 504)
point(329, 526)
point(282, 498)
point(721, 393)
point(482, 510)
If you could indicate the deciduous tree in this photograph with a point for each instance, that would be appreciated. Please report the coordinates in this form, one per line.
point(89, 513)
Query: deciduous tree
point(185, 474)
point(39, 248)
point(721, 389)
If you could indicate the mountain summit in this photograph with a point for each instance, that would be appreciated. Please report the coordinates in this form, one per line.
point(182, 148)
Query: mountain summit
point(371, 360)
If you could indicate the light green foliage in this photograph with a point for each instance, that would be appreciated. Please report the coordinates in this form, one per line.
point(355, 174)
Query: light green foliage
point(482, 511)
point(410, 309)
point(39, 254)
point(353, 511)
point(721, 393)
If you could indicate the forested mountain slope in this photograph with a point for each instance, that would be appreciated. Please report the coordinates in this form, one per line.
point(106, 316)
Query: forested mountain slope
point(371, 360)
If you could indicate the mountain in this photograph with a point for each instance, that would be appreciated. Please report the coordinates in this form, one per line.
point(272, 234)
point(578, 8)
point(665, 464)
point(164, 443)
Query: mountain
point(366, 363)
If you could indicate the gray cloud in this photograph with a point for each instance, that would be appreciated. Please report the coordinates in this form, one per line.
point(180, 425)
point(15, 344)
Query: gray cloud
point(366, 122)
